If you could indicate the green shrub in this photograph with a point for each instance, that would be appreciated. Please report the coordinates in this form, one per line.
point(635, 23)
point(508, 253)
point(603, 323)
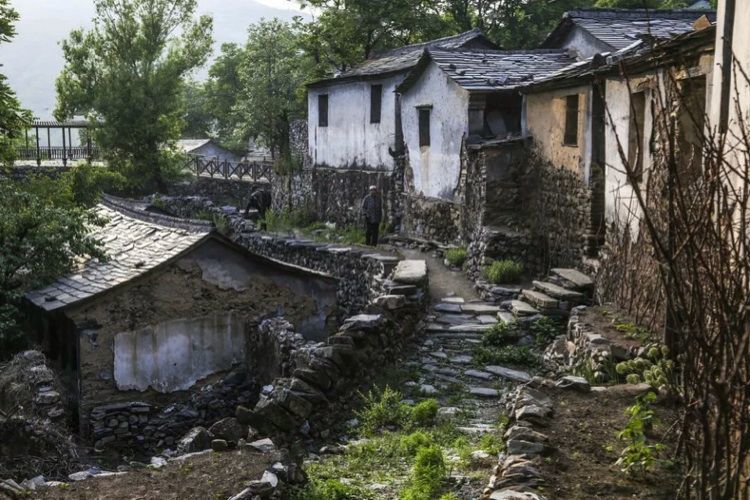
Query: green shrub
point(504, 271)
point(512, 355)
point(423, 414)
point(501, 334)
point(383, 409)
point(492, 443)
point(654, 369)
point(448, 496)
point(640, 454)
point(427, 475)
point(330, 489)
point(456, 256)
point(411, 443)
point(544, 330)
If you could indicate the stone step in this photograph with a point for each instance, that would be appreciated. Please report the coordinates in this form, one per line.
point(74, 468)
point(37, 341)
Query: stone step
point(540, 300)
point(454, 319)
point(442, 335)
point(487, 319)
point(480, 308)
point(448, 308)
point(479, 374)
point(506, 317)
point(574, 278)
point(470, 328)
point(558, 292)
point(521, 308)
point(407, 290)
point(410, 272)
point(453, 300)
point(515, 375)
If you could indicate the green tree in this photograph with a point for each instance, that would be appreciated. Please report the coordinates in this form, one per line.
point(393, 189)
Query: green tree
point(45, 228)
point(13, 119)
point(128, 73)
point(223, 90)
point(271, 73)
point(199, 121)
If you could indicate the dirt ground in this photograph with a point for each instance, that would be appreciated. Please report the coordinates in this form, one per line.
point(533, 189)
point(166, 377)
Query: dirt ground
point(207, 476)
point(584, 431)
point(443, 281)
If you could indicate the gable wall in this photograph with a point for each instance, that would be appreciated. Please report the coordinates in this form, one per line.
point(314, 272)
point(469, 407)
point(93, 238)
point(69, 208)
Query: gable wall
point(350, 140)
point(436, 168)
point(585, 44)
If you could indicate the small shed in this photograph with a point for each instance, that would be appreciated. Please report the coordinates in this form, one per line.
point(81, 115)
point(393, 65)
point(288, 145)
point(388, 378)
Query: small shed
point(207, 148)
point(174, 304)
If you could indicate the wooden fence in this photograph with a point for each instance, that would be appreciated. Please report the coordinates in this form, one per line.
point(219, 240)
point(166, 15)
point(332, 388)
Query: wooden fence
point(216, 167)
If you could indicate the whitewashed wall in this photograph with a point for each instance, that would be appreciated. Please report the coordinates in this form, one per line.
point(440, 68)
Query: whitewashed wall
point(436, 167)
point(583, 43)
point(621, 205)
point(350, 140)
point(174, 355)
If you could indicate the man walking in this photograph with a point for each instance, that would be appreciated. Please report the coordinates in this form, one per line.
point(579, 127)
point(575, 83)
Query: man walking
point(372, 210)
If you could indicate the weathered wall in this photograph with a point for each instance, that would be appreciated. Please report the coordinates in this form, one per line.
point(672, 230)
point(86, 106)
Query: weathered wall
point(545, 119)
point(583, 43)
point(212, 283)
point(220, 191)
point(350, 140)
point(436, 168)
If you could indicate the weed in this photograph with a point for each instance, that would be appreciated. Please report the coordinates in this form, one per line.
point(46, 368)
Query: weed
point(427, 475)
point(633, 331)
point(456, 256)
point(544, 330)
point(410, 443)
point(423, 414)
point(513, 355)
point(492, 443)
point(639, 455)
point(501, 334)
point(382, 410)
point(504, 271)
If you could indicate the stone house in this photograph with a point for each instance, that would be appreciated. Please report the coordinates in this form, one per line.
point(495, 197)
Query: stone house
point(207, 148)
point(596, 31)
point(353, 118)
point(173, 307)
point(456, 96)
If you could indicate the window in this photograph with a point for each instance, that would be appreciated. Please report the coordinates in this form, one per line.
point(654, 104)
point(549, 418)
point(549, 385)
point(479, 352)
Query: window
point(424, 126)
point(376, 100)
point(571, 120)
point(636, 133)
point(323, 110)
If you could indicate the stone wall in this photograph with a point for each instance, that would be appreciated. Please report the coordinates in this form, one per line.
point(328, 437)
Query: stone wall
point(219, 190)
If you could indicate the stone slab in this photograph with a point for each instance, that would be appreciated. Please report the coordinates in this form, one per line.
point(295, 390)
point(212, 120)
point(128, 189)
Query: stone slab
point(557, 291)
point(478, 374)
point(410, 272)
point(540, 300)
point(506, 317)
point(480, 308)
point(574, 277)
point(510, 374)
point(448, 308)
point(487, 319)
point(453, 300)
point(484, 392)
point(521, 308)
point(470, 328)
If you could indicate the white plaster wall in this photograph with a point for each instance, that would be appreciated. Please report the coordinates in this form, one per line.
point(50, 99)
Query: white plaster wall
point(350, 140)
point(174, 355)
point(584, 44)
point(436, 168)
point(621, 205)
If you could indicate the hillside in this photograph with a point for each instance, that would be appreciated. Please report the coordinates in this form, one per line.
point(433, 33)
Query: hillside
point(33, 59)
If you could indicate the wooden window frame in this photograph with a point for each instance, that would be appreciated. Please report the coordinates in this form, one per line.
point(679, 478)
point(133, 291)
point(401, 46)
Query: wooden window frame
point(424, 130)
point(572, 115)
point(376, 102)
point(323, 110)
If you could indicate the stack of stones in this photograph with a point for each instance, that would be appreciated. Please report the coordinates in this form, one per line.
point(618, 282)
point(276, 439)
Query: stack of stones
point(29, 370)
point(325, 372)
point(517, 475)
point(151, 427)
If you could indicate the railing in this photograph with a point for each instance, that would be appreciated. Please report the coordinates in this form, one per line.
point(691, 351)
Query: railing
point(57, 153)
point(217, 167)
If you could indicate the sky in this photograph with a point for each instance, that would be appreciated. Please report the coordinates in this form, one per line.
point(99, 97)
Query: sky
point(33, 59)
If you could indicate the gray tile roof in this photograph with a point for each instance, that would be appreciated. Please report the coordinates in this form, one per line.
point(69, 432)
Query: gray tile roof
point(493, 70)
point(404, 58)
point(188, 145)
point(133, 247)
point(618, 28)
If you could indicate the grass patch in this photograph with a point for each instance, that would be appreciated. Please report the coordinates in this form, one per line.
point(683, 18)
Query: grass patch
point(504, 271)
point(544, 330)
point(501, 334)
point(428, 474)
point(508, 355)
point(456, 257)
point(424, 413)
point(383, 410)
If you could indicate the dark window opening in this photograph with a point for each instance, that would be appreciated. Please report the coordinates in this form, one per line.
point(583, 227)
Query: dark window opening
point(571, 120)
point(323, 110)
point(636, 133)
point(424, 126)
point(376, 101)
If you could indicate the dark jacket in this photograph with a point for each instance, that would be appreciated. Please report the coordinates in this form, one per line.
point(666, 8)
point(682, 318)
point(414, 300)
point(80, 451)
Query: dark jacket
point(372, 208)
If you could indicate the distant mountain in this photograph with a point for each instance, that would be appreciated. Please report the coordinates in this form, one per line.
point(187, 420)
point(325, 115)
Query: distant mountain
point(33, 59)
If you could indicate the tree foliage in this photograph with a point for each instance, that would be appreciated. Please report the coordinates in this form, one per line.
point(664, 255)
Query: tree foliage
point(45, 228)
point(13, 119)
point(129, 74)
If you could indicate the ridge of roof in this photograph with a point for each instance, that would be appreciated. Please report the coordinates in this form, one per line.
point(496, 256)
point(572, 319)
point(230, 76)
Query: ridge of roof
point(599, 12)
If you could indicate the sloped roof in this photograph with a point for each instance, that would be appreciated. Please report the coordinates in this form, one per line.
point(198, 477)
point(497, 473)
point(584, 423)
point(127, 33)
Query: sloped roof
point(133, 248)
point(618, 28)
point(404, 58)
point(491, 70)
point(639, 56)
point(188, 145)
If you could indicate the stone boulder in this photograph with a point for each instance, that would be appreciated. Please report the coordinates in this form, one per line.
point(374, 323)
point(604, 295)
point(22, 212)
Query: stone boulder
point(228, 429)
point(410, 272)
point(196, 439)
